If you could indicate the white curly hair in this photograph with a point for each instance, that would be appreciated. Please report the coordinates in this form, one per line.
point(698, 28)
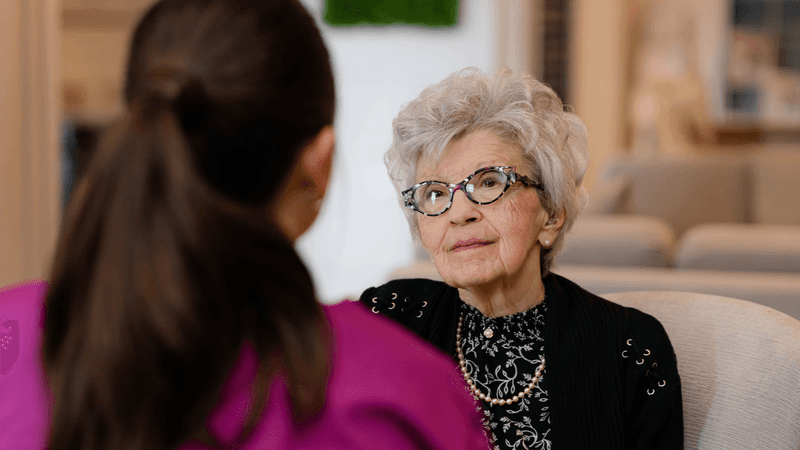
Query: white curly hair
point(519, 110)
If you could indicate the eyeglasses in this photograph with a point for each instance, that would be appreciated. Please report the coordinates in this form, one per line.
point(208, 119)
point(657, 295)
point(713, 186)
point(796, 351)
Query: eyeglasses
point(483, 187)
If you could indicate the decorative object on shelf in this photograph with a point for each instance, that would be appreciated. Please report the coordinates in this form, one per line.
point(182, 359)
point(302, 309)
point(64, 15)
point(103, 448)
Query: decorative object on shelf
point(762, 82)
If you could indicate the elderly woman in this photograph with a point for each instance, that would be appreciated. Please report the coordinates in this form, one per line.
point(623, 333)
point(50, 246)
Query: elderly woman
point(489, 168)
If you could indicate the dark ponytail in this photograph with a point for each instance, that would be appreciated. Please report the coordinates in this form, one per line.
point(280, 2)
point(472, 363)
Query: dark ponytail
point(168, 260)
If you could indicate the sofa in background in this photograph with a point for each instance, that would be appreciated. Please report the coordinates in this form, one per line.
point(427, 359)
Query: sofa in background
point(725, 225)
point(761, 186)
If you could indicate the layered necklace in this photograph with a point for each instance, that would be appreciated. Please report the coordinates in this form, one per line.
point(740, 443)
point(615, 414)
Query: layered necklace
point(476, 392)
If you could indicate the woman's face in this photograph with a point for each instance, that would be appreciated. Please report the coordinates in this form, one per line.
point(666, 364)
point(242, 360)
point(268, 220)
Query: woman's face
point(505, 234)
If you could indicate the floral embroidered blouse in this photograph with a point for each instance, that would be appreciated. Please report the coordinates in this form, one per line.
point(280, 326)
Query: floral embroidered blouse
point(502, 355)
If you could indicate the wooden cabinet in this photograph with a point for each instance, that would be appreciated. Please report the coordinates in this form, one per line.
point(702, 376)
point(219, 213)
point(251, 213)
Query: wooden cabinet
point(95, 39)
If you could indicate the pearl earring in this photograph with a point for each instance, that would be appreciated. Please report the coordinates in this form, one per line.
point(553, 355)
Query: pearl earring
point(546, 242)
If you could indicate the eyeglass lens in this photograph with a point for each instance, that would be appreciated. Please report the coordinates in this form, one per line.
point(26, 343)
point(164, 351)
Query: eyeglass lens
point(484, 187)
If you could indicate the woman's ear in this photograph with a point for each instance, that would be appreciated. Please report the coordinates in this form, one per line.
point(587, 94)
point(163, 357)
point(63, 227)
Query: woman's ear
point(551, 228)
point(317, 159)
point(297, 206)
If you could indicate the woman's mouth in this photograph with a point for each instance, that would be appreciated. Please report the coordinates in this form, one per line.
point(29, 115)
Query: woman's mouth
point(470, 244)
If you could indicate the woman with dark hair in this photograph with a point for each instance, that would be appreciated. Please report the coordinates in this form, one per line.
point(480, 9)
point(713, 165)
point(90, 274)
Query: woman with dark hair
point(178, 313)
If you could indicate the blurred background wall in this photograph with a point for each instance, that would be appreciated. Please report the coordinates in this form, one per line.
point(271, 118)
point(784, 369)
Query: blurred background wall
point(650, 78)
point(30, 121)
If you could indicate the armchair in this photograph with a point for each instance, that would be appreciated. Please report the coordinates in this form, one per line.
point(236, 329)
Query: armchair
point(739, 364)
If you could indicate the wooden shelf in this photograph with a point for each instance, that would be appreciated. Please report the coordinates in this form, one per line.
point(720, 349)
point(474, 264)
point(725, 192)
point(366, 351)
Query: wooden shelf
point(74, 19)
point(748, 132)
point(106, 5)
point(102, 14)
point(93, 117)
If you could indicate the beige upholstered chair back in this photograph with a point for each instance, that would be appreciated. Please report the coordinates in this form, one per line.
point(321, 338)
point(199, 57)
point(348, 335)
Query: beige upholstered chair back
point(739, 364)
point(776, 186)
point(684, 192)
point(618, 240)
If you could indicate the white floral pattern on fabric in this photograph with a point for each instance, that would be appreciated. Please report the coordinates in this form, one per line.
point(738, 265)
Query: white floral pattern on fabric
point(501, 366)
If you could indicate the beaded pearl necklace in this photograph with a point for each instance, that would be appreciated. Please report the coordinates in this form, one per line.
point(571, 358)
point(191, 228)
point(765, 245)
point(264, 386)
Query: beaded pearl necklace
point(476, 392)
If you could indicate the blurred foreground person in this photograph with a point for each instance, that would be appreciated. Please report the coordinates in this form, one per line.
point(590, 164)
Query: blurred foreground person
point(178, 314)
point(489, 169)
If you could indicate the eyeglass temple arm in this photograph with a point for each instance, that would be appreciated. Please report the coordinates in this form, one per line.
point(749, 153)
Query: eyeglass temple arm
point(528, 182)
point(407, 194)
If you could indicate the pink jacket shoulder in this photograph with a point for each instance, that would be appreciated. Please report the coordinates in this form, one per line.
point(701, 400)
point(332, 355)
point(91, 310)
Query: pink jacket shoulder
point(24, 397)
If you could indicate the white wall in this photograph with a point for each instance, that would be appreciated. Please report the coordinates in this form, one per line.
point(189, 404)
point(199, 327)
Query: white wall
point(362, 234)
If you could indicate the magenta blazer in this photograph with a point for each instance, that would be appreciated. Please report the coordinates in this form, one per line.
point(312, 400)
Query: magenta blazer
point(388, 389)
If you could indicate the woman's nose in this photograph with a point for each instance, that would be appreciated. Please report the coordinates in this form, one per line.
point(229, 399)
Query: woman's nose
point(463, 210)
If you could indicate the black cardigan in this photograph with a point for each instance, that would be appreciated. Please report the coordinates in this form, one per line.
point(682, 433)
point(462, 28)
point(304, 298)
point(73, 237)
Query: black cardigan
point(614, 380)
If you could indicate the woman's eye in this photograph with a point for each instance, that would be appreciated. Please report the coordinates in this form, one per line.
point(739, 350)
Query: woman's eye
point(432, 195)
point(489, 183)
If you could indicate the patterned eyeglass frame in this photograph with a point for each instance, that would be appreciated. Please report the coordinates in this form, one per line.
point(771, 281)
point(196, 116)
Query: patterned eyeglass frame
point(513, 177)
